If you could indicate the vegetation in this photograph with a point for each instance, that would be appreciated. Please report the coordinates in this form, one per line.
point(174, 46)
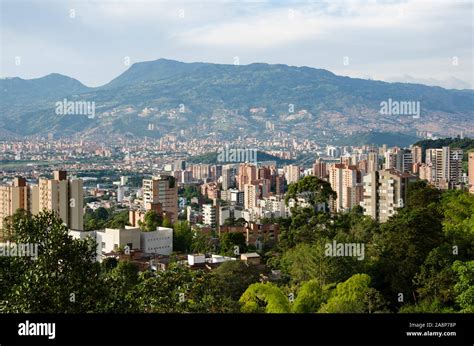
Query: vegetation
point(103, 217)
point(420, 260)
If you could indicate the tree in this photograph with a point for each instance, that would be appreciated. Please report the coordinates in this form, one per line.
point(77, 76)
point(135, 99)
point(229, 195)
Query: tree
point(151, 221)
point(314, 189)
point(228, 241)
point(264, 297)
point(354, 296)
point(305, 262)
point(458, 223)
point(401, 248)
point(62, 276)
point(182, 236)
point(436, 278)
point(202, 243)
point(118, 220)
point(233, 278)
point(179, 289)
point(427, 305)
point(421, 195)
point(464, 287)
point(120, 280)
point(310, 297)
point(167, 222)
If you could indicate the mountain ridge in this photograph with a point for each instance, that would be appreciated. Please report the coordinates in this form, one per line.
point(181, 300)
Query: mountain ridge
point(173, 95)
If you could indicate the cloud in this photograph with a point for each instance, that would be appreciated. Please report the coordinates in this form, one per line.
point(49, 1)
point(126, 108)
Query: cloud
point(381, 38)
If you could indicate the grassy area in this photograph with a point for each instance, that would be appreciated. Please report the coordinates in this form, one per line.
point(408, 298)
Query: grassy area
point(22, 163)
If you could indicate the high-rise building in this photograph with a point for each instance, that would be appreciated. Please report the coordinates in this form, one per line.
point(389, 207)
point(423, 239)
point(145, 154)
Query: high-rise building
point(417, 152)
point(404, 161)
point(59, 194)
point(372, 162)
point(279, 184)
point(62, 195)
point(333, 151)
point(201, 171)
point(179, 165)
point(247, 174)
point(292, 173)
point(162, 189)
point(384, 192)
point(251, 193)
point(319, 169)
point(446, 165)
point(209, 215)
point(346, 181)
point(13, 198)
point(228, 176)
point(390, 159)
point(186, 177)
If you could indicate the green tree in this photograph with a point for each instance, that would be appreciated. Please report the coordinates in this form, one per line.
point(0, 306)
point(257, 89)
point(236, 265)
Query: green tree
point(121, 281)
point(233, 278)
point(310, 297)
point(182, 236)
point(179, 289)
point(151, 221)
point(264, 297)
point(458, 223)
point(64, 276)
point(118, 220)
point(315, 190)
point(202, 243)
point(228, 241)
point(167, 222)
point(464, 287)
point(402, 247)
point(354, 296)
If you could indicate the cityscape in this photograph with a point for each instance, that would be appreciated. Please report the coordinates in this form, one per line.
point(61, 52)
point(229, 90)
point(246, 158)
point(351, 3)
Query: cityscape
point(260, 170)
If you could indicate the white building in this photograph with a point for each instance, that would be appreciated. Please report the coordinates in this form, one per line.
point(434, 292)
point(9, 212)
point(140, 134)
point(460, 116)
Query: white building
point(194, 259)
point(273, 206)
point(111, 239)
point(209, 214)
point(157, 242)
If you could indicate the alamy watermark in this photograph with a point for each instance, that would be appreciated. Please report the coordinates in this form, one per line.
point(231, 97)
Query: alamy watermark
point(37, 329)
point(335, 249)
point(66, 107)
point(234, 155)
point(18, 250)
point(391, 107)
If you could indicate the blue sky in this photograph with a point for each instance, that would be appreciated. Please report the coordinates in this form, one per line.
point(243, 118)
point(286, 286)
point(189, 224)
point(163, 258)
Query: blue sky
point(430, 42)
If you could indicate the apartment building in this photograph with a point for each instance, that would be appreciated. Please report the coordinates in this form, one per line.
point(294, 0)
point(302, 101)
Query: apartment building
point(446, 166)
point(62, 195)
point(346, 181)
point(384, 192)
point(162, 189)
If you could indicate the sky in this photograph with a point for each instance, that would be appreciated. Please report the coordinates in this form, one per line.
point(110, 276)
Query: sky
point(416, 41)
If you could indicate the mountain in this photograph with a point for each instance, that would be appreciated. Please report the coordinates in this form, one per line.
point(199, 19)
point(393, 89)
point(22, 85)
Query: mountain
point(212, 100)
point(16, 90)
point(378, 139)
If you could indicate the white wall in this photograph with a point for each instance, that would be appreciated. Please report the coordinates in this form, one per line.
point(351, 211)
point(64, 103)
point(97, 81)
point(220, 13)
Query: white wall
point(159, 241)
